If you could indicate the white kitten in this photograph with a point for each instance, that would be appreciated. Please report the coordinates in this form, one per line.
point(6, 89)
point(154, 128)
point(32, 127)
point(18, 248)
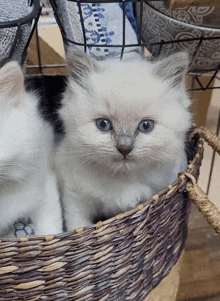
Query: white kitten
point(125, 129)
point(28, 186)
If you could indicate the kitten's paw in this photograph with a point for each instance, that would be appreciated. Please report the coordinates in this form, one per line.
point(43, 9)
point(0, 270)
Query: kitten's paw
point(22, 229)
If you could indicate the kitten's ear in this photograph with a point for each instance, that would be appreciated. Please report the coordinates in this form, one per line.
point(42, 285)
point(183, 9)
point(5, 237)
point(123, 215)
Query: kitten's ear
point(12, 82)
point(173, 68)
point(80, 65)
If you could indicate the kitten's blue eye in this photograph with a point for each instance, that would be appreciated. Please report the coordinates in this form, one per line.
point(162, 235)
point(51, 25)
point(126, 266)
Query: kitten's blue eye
point(146, 126)
point(103, 124)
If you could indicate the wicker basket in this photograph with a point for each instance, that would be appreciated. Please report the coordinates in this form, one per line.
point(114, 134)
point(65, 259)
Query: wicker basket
point(123, 258)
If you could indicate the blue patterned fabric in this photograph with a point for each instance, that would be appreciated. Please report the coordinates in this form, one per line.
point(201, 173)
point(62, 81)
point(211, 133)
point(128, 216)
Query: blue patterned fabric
point(103, 26)
point(129, 13)
point(103, 23)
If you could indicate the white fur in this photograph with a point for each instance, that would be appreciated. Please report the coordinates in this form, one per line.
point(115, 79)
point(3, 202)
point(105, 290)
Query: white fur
point(28, 186)
point(93, 174)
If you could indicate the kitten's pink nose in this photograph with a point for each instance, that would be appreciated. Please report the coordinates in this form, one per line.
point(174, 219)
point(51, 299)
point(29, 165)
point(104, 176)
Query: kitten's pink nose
point(124, 149)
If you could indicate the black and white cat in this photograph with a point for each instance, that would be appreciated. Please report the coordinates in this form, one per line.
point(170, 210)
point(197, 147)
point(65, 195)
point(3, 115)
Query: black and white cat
point(28, 186)
point(126, 123)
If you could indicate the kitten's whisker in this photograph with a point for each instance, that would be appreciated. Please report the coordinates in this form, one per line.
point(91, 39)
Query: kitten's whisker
point(87, 161)
point(19, 165)
point(115, 170)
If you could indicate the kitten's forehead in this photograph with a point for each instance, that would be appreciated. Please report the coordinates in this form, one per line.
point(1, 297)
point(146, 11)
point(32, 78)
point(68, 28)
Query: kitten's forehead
point(128, 87)
point(121, 108)
point(126, 103)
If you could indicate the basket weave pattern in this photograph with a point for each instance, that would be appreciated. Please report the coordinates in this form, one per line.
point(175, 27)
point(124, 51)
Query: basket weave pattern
point(123, 258)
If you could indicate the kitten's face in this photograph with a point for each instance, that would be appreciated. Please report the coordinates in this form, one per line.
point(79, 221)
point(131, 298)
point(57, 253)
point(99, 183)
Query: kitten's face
point(129, 118)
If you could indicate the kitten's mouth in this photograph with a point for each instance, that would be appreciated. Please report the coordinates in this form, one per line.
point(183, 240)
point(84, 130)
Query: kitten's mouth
point(123, 160)
point(123, 164)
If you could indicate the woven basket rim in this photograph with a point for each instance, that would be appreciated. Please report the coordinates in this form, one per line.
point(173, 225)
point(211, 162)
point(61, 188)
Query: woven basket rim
point(181, 180)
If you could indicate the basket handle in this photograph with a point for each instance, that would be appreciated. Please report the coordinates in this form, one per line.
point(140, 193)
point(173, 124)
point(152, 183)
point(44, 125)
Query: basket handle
point(197, 195)
point(171, 4)
point(210, 138)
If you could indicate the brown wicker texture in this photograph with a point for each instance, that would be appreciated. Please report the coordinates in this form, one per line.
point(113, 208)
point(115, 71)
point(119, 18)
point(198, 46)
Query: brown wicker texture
point(195, 193)
point(211, 139)
point(171, 4)
point(123, 258)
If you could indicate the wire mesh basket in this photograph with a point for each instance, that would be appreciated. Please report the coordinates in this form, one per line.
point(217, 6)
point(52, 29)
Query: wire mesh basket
point(18, 21)
point(148, 27)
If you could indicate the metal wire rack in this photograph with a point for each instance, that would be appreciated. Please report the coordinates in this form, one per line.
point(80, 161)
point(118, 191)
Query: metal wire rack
point(157, 47)
point(141, 43)
point(32, 20)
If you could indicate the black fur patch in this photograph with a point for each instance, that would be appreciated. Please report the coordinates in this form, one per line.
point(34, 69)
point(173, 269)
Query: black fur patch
point(50, 89)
